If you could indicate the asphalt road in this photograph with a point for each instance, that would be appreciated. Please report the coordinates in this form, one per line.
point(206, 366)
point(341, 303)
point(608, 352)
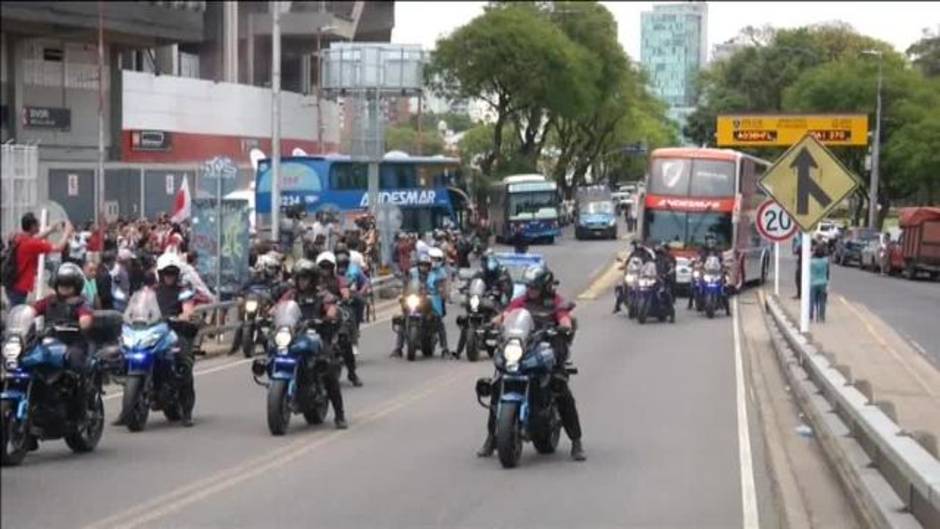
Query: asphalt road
point(658, 406)
point(910, 307)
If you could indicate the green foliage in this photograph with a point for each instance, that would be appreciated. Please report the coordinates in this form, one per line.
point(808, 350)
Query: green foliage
point(925, 54)
point(406, 139)
point(455, 122)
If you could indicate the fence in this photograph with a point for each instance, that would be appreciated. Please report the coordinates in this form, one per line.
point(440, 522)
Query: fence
point(20, 184)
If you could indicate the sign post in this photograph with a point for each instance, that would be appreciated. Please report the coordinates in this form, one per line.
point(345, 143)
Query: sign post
point(807, 182)
point(776, 226)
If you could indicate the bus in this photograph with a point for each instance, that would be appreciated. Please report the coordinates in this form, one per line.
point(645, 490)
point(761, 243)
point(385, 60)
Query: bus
point(524, 204)
point(693, 192)
point(423, 187)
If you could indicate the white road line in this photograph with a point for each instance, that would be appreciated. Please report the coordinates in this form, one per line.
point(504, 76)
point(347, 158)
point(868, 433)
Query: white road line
point(748, 491)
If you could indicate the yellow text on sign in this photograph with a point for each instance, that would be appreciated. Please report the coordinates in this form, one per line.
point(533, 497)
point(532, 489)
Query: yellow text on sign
point(774, 130)
point(808, 182)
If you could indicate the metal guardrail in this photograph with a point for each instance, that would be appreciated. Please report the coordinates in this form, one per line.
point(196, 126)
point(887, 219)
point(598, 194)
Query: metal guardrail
point(912, 472)
point(217, 319)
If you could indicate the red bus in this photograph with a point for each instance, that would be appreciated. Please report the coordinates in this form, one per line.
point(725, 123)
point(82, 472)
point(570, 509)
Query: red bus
point(692, 192)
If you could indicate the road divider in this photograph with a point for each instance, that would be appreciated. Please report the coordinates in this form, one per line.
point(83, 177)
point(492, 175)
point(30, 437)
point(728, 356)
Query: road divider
point(893, 481)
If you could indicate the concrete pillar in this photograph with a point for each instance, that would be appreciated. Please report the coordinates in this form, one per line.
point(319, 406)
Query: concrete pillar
point(230, 43)
point(250, 41)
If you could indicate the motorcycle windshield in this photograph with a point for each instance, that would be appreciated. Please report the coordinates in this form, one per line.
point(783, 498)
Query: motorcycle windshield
point(634, 265)
point(287, 314)
point(712, 264)
point(477, 287)
point(649, 270)
point(143, 309)
point(414, 287)
point(518, 324)
point(20, 320)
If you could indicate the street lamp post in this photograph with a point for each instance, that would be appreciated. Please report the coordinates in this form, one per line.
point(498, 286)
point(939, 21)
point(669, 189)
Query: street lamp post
point(275, 121)
point(320, 31)
point(876, 147)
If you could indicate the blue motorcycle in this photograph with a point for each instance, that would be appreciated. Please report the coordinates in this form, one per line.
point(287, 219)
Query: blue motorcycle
point(149, 344)
point(714, 291)
point(299, 359)
point(652, 298)
point(42, 399)
point(527, 409)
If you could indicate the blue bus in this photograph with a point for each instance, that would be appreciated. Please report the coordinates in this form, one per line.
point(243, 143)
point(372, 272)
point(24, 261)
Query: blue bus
point(423, 187)
point(526, 205)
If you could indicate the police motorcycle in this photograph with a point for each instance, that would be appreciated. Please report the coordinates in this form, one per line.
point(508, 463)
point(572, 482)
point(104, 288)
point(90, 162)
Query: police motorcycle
point(628, 291)
point(652, 298)
point(714, 290)
point(298, 359)
point(256, 324)
point(150, 344)
point(697, 286)
point(39, 398)
point(417, 321)
point(527, 410)
point(481, 307)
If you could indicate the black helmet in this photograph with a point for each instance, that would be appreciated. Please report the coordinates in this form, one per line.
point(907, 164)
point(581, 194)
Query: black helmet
point(342, 260)
point(304, 268)
point(710, 241)
point(69, 275)
point(340, 248)
point(539, 277)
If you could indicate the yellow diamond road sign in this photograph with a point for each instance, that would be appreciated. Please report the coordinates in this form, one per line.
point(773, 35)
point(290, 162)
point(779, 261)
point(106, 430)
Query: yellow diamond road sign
point(808, 182)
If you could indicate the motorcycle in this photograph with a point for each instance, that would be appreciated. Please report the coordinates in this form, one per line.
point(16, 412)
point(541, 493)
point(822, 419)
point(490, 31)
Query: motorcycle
point(418, 321)
point(696, 286)
point(256, 325)
point(150, 344)
point(527, 409)
point(652, 298)
point(41, 395)
point(481, 307)
point(297, 362)
point(714, 290)
point(628, 290)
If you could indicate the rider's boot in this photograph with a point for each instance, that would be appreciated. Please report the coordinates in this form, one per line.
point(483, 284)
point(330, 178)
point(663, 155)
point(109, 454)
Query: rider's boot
point(577, 451)
point(489, 445)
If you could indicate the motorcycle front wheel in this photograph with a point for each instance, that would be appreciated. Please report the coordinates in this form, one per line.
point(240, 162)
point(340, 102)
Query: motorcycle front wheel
point(135, 404)
point(710, 306)
point(546, 439)
point(473, 345)
point(508, 436)
point(412, 339)
point(248, 341)
point(315, 412)
point(15, 436)
point(278, 407)
point(87, 436)
point(642, 312)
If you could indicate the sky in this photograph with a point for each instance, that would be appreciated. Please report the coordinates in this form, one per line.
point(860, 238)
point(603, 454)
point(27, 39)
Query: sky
point(899, 23)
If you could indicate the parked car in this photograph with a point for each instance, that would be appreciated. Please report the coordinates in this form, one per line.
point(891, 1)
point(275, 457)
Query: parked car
point(918, 249)
point(848, 249)
point(875, 253)
point(827, 231)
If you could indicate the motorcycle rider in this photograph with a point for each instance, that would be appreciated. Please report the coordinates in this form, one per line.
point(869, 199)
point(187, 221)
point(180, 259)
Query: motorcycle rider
point(666, 268)
point(337, 286)
point(710, 248)
point(433, 276)
point(638, 251)
point(497, 280)
point(67, 307)
point(547, 309)
point(358, 284)
point(318, 302)
point(176, 301)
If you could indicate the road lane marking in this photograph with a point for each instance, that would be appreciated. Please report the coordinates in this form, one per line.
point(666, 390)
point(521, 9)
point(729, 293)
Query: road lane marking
point(604, 281)
point(751, 519)
point(871, 330)
point(229, 365)
point(201, 489)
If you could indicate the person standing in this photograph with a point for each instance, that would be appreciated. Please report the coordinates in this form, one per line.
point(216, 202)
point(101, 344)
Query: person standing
point(797, 249)
point(819, 283)
point(28, 246)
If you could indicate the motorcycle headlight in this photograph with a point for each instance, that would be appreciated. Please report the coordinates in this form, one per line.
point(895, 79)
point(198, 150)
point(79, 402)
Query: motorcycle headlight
point(512, 353)
point(282, 338)
point(474, 302)
point(646, 282)
point(696, 274)
point(127, 340)
point(630, 279)
point(251, 306)
point(11, 353)
point(412, 302)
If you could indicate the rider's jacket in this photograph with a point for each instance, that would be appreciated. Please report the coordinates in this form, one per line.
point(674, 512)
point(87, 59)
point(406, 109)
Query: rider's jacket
point(433, 282)
point(168, 297)
point(62, 312)
point(500, 281)
point(545, 312)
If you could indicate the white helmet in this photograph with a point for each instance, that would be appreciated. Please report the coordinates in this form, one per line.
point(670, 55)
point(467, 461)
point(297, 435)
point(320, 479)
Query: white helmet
point(168, 260)
point(328, 257)
point(436, 255)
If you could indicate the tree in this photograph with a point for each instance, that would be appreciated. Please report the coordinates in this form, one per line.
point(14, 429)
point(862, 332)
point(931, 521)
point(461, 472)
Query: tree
point(406, 139)
point(518, 62)
point(925, 53)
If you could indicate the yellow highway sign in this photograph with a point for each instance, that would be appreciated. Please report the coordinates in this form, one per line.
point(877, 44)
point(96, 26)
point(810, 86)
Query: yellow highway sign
point(808, 182)
point(775, 130)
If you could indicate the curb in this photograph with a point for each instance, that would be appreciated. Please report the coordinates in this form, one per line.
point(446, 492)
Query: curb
point(871, 482)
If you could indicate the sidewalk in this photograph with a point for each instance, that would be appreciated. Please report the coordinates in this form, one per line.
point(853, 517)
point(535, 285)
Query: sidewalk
point(876, 353)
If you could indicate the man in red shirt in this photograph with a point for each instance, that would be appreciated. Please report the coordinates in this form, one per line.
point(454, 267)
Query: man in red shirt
point(30, 244)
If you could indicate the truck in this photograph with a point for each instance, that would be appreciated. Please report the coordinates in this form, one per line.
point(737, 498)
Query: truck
point(595, 213)
point(918, 249)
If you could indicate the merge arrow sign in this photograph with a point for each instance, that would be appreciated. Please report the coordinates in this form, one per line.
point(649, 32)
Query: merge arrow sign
point(808, 182)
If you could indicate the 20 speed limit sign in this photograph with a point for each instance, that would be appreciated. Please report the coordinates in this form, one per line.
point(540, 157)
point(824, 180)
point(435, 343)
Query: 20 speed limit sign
point(773, 223)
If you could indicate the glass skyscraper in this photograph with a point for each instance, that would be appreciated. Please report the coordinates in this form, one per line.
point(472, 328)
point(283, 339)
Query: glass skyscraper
point(673, 49)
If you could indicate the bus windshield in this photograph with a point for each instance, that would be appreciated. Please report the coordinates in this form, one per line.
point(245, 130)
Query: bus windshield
point(692, 177)
point(538, 203)
point(682, 229)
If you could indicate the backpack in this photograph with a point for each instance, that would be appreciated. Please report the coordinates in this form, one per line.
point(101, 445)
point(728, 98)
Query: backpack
point(9, 267)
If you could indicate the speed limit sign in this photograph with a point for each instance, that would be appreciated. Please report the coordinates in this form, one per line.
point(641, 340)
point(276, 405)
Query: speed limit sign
point(773, 223)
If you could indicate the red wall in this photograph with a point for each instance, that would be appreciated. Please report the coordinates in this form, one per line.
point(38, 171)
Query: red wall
point(189, 147)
